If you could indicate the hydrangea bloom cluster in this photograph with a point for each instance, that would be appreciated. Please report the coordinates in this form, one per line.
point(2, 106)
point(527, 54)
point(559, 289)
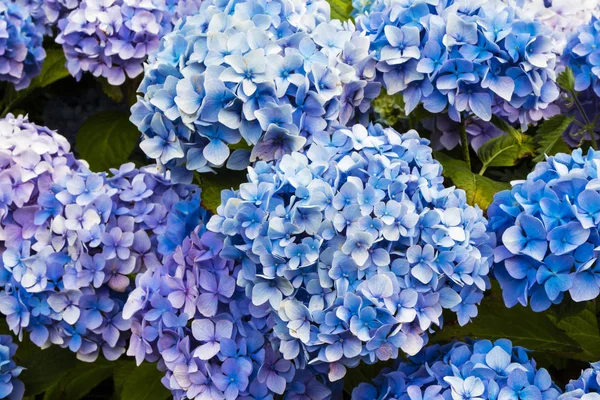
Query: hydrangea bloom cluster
point(463, 371)
point(356, 246)
point(582, 56)
point(269, 73)
point(111, 38)
point(21, 51)
point(563, 17)
point(586, 387)
point(10, 386)
point(547, 230)
point(71, 238)
point(469, 57)
point(209, 337)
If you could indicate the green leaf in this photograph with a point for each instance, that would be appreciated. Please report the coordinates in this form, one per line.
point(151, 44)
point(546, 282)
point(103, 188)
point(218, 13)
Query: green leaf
point(44, 368)
point(549, 137)
point(582, 327)
point(506, 150)
point(107, 139)
point(340, 9)
point(503, 125)
point(142, 383)
point(114, 92)
point(213, 184)
point(80, 382)
point(480, 190)
point(53, 69)
point(523, 326)
point(566, 80)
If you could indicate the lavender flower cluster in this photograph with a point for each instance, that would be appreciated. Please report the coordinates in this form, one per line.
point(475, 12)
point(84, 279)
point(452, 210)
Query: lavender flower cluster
point(71, 238)
point(21, 51)
point(356, 246)
point(471, 58)
point(11, 387)
point(207, 335)
point(270, 74)
point(547, 230)
point(111, 38)
point(463, 371)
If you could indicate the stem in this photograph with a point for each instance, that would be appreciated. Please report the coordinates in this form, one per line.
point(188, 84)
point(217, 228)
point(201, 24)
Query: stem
point(465, 143)
point(482, 171)
point(588, 123)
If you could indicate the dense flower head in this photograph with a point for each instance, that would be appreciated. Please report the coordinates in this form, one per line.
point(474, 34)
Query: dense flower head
point(356, 246)
point(563, 17)
point(11, 387)
point(473, 58)
point(207, 335)
point(547, 231)
point(583, 57)
point(463, 371)
point(259, 76)
point(586, 387)
point(71, 239)
point(111, 38)
point(21, 51)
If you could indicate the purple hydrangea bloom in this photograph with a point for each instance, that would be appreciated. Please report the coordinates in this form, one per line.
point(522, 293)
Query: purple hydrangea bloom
point(469, 58)
point(356, 246)
point(11, 387)
point(21, 51)
point(547, 231)
point(261, 76)
point(72, 238)
point(111, 38)
point(463, 371)
point(208, 337)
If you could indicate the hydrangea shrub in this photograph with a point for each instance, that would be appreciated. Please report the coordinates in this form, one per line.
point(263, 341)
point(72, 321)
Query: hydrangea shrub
point(474, 370)
point(547, 231)
point(356, 246)
point(72, 238)
point(268, 75)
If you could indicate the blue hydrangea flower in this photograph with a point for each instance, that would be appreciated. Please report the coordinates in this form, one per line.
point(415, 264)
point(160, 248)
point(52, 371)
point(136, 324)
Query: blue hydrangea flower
point(470, 59)
point(547, 231)
point(355, 246)
point(474, 370)
point(72, 239)
point(209, 338)
point(10, 386)
point(561, 16)
point(586, 387)
point(256, 76)
point(21, 51)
